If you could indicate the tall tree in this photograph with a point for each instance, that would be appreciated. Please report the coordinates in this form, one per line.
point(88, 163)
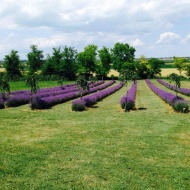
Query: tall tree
point(187, 70)
point(48, 67)
point(142, 67)
point(82, 84)
point(179, 63)
point(12, 65)
point(4, 86)
point(177, 81)
point(120, 54)
point(87, 60)
point(56, 60)
point(104, 64)
point(31, 81)
point(154, 66)
point(68, 65)
point(35, 59)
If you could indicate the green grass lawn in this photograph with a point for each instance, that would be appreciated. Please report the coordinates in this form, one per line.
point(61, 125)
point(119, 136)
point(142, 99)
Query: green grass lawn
point(101, 148)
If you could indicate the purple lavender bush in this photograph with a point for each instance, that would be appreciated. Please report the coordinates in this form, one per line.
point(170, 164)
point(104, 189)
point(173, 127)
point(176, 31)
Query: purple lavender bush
point(178, 103)
point(184, 91)
point(78, 105)
point(90, 100)
point(127, 102)
point(1, 103)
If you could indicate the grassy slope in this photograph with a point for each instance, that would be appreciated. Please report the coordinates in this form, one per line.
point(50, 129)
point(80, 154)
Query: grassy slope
point(102, 148)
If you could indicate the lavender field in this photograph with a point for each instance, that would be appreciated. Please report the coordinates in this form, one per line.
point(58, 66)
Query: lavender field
point(102, 147)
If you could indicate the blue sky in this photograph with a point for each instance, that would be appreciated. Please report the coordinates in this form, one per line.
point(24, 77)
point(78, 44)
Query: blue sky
point(156, 28)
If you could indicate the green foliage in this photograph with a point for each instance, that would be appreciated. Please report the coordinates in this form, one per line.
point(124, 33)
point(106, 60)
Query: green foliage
point(68, 65)
point(82, 83)
point(179, 63)
point(104, 63)
point(78, 105)
point(31, 82)
point(120, 54)
point(154, 66)
point(35, 59)
point(177, 81)
point(48, 67)
point(4, 85)
point(12, 65)
point(187, 70)
point(87, 60)
point(181, 106)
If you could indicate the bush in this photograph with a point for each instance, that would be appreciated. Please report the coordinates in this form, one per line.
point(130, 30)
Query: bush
point(78, 105)
point(1, 104)
point(37, 103)
point(181, 106)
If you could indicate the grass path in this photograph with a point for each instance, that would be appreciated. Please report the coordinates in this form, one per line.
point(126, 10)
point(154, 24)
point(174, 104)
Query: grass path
point(101, 148)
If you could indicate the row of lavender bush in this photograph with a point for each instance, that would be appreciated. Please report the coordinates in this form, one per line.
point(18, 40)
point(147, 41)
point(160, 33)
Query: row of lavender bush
point(46, 102)
point(127, 102)
point(88, 101)
point(178, 103)
point(184, 91)
point(23, 97)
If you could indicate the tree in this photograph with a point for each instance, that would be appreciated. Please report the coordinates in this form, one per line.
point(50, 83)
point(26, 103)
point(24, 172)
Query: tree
point(82, 83)
point(177, 81)
point(87, 60)
point(154, 66)
point(4, 86)
point(142, 67)
point(56, 60)
point(104, 64)
point(31, 81)
point(179, 63)
point(48, 67)
point(12, 65)
point(68, 65)
point(187, 71)
point(125, 76)
point(35, 59)
point(120, 54)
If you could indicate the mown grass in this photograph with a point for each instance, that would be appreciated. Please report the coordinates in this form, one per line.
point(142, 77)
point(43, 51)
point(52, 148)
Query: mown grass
point(42, 84)
point(101, 148)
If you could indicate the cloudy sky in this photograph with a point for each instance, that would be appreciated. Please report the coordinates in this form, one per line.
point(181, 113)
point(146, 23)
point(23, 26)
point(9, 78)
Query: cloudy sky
point(156, 28)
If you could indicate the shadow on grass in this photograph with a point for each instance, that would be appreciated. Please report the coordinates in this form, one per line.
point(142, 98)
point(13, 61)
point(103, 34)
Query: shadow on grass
point(94, 107)
point(141, 108)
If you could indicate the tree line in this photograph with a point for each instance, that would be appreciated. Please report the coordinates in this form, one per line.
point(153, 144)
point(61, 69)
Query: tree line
point(65, 63)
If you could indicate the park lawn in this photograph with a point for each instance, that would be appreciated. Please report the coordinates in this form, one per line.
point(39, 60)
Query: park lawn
point(101, 148)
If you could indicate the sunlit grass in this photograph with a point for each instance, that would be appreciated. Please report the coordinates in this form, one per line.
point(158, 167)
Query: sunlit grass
point(101, 148)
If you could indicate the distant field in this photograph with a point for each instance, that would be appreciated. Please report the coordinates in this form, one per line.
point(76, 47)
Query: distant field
point(2, 69)
point(167, 71)
point(164, 72)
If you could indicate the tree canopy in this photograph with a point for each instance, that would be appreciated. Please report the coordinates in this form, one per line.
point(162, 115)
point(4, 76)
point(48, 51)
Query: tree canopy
point(120, 54)
point(12, 65)
point(35, 59)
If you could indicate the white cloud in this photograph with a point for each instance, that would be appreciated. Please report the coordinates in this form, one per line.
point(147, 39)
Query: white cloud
point(62, 22)
point(137, 43)
point(168, 38)
point(186, 40)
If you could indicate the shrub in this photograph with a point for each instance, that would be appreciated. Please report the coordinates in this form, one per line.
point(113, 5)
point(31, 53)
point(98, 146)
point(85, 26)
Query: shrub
point(181, 106)
point(78, 105)
point(1, 104)
point(127, 102)
point(37, 103)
